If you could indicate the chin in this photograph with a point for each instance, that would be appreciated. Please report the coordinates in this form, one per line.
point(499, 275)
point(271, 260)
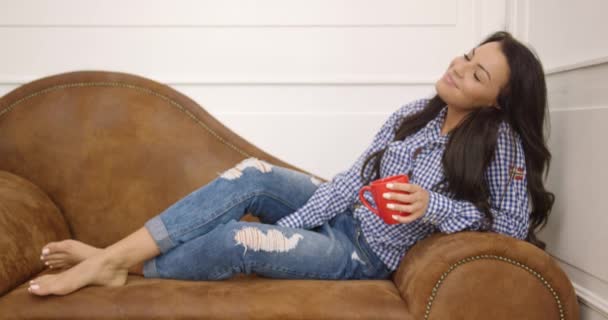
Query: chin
point(445, 92)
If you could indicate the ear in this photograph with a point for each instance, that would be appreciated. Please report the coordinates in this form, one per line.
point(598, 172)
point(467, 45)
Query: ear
point(502, 97)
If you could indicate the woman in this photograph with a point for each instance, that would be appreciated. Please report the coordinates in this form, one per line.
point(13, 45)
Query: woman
point(475, 154)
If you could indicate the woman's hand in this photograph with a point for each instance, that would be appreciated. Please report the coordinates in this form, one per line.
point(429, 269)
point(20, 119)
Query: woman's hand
point(416, 202)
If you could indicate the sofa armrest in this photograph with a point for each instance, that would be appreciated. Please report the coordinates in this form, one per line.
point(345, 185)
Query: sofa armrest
point(483, 275)
point(28, 220)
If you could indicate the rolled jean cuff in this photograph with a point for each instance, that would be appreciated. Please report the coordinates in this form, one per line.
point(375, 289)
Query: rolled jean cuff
point(150, 270)
point(159, 233)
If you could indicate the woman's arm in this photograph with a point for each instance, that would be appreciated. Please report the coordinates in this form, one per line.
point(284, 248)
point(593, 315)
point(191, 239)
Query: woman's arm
point(506, 176)
point(337, 195)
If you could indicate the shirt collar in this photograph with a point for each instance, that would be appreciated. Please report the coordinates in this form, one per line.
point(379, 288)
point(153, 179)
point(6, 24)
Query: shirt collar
point(433, 128)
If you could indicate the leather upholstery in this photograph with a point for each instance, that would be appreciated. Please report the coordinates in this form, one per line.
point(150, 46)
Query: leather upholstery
point(237, 298)
point(107, 151)
point(113, 150)
point(485, 276)
point(28, 220)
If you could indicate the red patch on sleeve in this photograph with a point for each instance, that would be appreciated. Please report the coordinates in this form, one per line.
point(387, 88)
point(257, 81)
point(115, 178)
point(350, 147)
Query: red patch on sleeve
point(517, 173)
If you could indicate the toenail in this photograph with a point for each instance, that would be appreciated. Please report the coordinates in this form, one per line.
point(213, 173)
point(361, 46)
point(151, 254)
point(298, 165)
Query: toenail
point(51, 267)
point(46, 263)
point(35, 287)
point(45, 251)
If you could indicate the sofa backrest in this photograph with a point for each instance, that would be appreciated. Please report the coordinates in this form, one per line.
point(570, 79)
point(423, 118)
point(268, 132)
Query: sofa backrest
point(113, 149)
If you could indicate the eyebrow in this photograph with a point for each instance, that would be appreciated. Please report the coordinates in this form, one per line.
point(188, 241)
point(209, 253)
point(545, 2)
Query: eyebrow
point(482, 68)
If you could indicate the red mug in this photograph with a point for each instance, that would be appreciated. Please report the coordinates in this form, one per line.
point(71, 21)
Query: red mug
point(378, 188)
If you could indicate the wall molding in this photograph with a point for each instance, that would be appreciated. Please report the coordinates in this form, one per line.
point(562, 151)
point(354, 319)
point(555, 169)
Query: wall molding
point(585, 108)
point(490, 16)
point(577, 65)
point(247, 79)
point(517, 19)
point(591, 300)
point(228, 12)
point(278, 25)
point(586, 295)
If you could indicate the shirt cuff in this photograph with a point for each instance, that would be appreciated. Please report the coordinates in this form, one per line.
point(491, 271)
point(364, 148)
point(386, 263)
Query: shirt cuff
point(438, 210)
point(290, 221)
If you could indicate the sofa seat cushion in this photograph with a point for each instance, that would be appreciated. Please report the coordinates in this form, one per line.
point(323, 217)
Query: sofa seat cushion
point(241, 297)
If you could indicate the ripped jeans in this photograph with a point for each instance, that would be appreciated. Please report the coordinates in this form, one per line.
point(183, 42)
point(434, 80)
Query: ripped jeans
point(200, 236)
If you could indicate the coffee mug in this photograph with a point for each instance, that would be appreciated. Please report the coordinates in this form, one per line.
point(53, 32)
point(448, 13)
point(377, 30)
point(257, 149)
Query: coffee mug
point(378, 188)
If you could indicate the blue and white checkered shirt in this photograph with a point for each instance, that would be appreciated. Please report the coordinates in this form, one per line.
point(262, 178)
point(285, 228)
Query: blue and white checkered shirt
point(444, 214)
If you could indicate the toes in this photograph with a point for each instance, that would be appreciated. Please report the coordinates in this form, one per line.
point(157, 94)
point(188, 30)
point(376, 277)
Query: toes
point(36, 286)
point(33, 288)
point(61, 246)
point(37, 290)
point(46, 250)
point(59, 265)
point(58, 246)
point(54, 264)
point(49, 263)
point(55, 256)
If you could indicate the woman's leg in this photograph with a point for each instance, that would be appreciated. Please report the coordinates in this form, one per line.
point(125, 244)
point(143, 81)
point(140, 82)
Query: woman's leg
point(268, 192)
point(67, 253)
point(329, 252)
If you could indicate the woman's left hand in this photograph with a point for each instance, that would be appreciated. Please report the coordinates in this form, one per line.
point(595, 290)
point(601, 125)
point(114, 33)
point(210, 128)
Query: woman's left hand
point(416, 202)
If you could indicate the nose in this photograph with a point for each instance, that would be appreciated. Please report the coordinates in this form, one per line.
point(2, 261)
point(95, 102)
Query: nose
point(460, 67)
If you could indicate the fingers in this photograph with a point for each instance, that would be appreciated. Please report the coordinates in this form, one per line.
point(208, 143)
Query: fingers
point(407, 187)
point(401, 197)
point(409, 208)
point(414, 201)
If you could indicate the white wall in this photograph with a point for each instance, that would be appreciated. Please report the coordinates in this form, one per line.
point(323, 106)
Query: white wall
point(569, 38)
point(296, 78)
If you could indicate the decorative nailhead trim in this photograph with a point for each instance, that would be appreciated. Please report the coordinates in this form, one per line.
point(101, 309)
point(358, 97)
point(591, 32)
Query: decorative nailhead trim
point(128, 86)
point(488, 256)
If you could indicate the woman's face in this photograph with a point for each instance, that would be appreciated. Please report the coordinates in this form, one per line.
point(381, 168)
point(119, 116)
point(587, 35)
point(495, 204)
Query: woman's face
point(475, 79)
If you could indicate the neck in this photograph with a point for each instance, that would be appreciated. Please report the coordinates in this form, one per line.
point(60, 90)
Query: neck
point(452, 119)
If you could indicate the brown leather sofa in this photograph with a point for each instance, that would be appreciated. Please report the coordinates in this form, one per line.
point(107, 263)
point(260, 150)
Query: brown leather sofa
point(93, 155)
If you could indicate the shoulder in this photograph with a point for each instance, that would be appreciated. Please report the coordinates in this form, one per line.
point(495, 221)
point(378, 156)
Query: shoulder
point(507, 135)
point(509, 144)
point(414, 106)
point(410, 108)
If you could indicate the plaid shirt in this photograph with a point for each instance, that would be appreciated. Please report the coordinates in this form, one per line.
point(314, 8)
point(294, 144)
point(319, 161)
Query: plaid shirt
point(419, 155)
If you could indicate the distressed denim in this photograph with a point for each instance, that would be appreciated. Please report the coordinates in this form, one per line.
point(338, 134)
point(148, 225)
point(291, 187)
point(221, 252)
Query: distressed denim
point(200, 236)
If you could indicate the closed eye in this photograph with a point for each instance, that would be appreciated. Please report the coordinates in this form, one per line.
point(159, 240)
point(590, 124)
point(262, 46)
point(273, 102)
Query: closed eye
point(466, 57)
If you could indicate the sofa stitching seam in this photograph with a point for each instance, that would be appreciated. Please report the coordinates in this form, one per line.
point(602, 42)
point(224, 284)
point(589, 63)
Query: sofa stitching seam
point(501, 258)
point(128, 86)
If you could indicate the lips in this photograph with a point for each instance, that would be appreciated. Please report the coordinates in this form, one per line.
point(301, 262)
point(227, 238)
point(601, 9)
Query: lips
point(449, 80)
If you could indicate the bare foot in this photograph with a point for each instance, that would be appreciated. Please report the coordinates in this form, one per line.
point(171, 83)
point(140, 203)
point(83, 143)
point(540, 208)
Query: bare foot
point(66, 253)
point(96, 270)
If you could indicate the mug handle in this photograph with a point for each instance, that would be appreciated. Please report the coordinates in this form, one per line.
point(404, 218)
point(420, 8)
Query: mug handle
point(364, 201)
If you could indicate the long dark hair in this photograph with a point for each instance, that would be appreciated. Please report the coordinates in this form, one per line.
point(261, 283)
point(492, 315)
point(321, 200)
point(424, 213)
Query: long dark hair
point(471, 145)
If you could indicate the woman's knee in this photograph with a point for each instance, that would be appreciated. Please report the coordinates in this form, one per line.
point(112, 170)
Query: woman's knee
point(257, 175)
point(238, 171)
